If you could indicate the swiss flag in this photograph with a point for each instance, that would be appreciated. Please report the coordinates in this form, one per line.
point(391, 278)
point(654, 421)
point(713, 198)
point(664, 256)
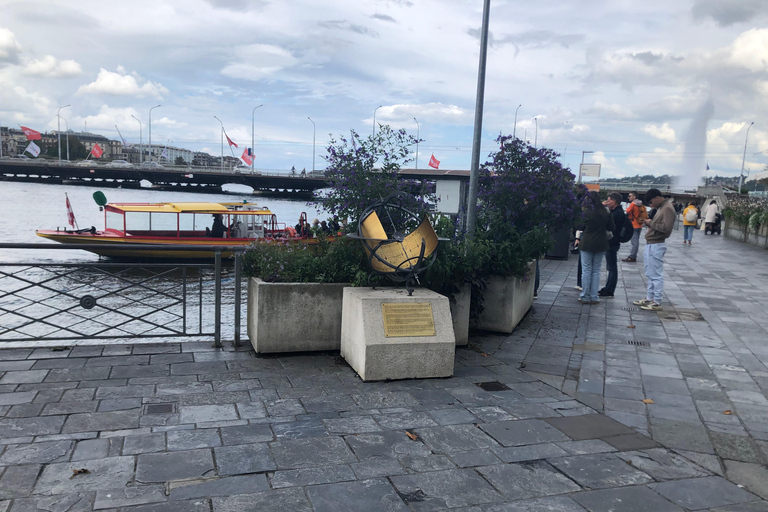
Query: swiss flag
point(70, 213)
point(434, 162)
point(96, 151)
point(247, 158)
point(31, 134)
point(229, 140)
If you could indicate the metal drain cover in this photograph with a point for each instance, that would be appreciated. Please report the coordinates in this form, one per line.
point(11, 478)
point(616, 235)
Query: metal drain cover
point(630, 309)
point(493, 386)
point(638, 343)
point(160, 408)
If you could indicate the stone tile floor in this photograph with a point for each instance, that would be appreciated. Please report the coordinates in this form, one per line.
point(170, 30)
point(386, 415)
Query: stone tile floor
point(188, 428)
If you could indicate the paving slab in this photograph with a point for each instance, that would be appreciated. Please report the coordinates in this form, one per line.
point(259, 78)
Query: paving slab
point(445, 489)
point(699, 493)
point(625, 499)
point(528, 479)
point(111, 472)
point(599, 471)
point(163, 467)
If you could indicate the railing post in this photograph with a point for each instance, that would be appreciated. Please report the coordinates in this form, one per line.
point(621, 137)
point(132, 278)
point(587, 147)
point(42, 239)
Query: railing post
point(217, 312)
point(238, 285)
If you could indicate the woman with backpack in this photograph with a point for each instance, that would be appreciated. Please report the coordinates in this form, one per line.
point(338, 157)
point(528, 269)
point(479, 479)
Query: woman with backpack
point(593, 245)
point(690, 216)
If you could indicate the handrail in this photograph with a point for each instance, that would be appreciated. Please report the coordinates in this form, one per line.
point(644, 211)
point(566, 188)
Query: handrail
point(137, 247)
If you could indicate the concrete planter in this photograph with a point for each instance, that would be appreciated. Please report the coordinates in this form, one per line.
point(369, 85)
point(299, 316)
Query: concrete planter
point(506, 301)
point(460, 314)
point(742, 233)
point(294, 317)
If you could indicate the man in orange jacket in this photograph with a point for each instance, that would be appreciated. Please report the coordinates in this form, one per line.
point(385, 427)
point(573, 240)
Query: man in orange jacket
point(637, 214)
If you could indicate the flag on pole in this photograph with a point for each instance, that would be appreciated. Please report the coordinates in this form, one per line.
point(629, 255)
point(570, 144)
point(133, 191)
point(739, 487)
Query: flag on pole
point(229, 140)
point(33, 149)
point(96, 151)
point(434, 162)
point(247, 158)
point(164, 154)
point(70, 213)
point(30, 133)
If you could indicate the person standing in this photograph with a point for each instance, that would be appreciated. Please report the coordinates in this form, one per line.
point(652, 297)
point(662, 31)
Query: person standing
point(592, 247)
point(614, 244)
point(636, 214)
point(659, 229)
point(710, 217)
point(690, 216)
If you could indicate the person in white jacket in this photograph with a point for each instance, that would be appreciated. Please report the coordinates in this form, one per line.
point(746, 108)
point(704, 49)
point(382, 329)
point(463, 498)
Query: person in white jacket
point(710, 216)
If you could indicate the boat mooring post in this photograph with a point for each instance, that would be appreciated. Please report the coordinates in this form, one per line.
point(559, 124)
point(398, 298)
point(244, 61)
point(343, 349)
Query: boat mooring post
point(238, 285)
point(217, 312)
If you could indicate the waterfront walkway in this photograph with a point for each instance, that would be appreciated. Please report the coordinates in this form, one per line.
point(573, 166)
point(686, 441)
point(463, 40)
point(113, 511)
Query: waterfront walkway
point(550, 418)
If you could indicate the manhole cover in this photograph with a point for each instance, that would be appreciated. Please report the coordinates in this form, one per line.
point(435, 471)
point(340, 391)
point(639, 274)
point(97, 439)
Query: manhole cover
point(159, 408)
point(639, 343)
point(493, 386)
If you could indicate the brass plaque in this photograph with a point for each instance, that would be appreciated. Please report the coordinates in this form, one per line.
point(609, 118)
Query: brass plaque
point(403, 319)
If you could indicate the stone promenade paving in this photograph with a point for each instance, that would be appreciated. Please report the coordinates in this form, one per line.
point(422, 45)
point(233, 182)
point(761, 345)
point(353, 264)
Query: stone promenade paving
point(520, 427)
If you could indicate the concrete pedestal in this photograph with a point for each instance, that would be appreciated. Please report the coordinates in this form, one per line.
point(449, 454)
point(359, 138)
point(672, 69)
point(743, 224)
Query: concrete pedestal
point(506, 300)
point(374, 356)
point(460, 314)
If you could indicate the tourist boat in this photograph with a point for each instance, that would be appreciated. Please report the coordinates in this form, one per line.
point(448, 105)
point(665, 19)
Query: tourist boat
point(173, 224)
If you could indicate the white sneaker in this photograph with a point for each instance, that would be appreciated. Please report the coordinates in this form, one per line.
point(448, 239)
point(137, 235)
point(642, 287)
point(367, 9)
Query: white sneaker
point(577, 288)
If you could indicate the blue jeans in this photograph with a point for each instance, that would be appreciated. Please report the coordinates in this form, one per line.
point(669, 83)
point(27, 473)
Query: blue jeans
point(654, 270)
point(688, 233)
point(590, 274)
point(635, 243)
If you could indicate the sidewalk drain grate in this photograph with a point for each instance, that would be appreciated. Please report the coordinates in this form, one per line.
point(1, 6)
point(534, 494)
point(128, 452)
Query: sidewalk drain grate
point(159, 408)
point(493, 386)
point(638, 343)
point(631, 309)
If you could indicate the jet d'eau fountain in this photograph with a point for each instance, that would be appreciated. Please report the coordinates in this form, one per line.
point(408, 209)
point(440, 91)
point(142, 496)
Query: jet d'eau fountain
point(695, 149)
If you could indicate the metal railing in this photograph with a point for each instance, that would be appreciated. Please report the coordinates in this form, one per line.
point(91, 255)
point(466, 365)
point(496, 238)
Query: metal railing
point(119, 301)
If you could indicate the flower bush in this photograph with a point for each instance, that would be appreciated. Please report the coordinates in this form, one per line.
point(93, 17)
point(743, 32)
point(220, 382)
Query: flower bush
point(749, 212)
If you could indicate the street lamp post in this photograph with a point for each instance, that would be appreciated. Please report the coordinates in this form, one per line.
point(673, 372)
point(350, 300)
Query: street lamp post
point(253, 137)
point(67, 128)
point(141, 142)
point(536, 136)
point(150, 131)
point(222, 143)
point(741, 176)
point(514, 127)
point(582, 161)
point(314, 130)
point(374, 119)
point(417, 143)
point(58, 128)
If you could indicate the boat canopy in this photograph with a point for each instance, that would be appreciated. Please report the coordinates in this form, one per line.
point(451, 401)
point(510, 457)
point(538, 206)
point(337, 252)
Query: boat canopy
point(169, 207)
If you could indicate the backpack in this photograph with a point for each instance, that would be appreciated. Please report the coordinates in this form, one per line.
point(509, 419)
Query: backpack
point(640, 214)
point(627, 231)
point(692, 215)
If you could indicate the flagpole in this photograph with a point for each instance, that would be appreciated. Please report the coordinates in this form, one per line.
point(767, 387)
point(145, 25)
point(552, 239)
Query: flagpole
point(222, 143)
point(253, 137)
point(58, 128)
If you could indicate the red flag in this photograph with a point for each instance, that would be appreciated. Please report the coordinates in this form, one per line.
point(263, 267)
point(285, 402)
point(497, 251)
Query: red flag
point(31, 134)
point(248, 159)
point(229, 140)
point(70, 213)
point(96, 151)
point(434, 162)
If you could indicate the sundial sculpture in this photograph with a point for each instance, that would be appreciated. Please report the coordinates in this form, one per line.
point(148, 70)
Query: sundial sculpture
point(391, 252)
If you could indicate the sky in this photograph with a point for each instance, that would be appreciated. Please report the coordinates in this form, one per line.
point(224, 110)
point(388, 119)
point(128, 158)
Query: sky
point(629, 81)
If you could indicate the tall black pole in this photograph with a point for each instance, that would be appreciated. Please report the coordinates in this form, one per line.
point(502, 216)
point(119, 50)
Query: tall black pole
point(475, 166)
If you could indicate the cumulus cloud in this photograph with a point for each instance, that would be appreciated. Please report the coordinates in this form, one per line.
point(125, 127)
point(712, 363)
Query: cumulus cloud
point(257, 61)
point(750, 50)
point(432, 112)
point(663, 132)
point(611, 110)
point(726, 12)
point(349, 27)
point(50, 67)
point(122, 84)
point(10, 49)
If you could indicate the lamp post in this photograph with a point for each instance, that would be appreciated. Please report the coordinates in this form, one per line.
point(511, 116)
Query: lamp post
point(58, 128)
point(417, 143)
point(253, 137)
point(150, 131)
point(222, 143)
point(374, 119)
point(582, 161)
point(514, 127)
point(536, 136)
point(741, 176)
point(141, 149)
point(314, 130)
point(67, 125)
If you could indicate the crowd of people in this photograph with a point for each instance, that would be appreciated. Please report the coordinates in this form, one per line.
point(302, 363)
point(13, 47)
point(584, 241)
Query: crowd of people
point(606, 225)
point(303, 228)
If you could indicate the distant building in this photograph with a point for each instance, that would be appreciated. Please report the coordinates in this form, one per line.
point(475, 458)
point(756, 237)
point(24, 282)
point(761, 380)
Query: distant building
point(203, 159)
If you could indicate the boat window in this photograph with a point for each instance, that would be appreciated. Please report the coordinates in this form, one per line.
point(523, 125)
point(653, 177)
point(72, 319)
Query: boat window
point(187, 222)
point(136, 221)
point(163, 221)
point(202, 221)
point(115, 221)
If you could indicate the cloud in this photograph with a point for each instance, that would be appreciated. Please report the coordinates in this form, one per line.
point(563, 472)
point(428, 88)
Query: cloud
point(49, 67)
point(433, 112)
point(611, 110)
point(257, 61)
point(349, 27)
point(726, 12)
point(534, 39)
point(383, 17)
point(750, 50)
point(663, 132)
point(10, 49)
point(122, 84)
